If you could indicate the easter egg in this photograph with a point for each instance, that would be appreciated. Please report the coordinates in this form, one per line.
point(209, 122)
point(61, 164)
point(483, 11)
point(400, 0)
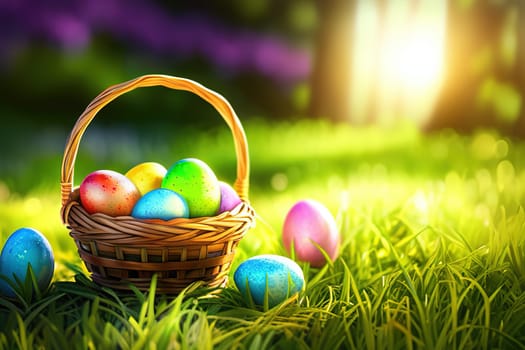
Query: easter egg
point(229, 198)
point(108, 192)
point(276, 275)
point(160, 203)
point(196, 182)
point(23, 247)
point(146, 176)
point(309, 225)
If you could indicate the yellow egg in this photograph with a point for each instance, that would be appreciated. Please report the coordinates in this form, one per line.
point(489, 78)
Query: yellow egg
point(147, 176)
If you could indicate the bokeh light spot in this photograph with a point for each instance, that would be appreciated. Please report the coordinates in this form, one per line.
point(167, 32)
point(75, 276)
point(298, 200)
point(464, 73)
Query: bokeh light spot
point(279, 182)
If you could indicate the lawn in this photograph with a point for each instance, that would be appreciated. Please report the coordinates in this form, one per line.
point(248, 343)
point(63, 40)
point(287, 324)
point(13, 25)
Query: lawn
point(432, 255)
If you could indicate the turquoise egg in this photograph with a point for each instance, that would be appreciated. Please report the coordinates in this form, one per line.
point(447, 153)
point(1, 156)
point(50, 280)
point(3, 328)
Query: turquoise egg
point(281, 275)
point(161, 203)
point(23, 247)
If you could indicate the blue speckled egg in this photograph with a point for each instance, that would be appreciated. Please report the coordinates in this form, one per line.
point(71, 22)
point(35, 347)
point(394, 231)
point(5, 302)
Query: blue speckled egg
point(282, 276)
point(161, 203)
point(23, 247)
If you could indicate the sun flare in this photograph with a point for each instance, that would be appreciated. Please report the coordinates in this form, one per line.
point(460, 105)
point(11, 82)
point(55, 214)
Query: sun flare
point(398, 60)
point(416, 62)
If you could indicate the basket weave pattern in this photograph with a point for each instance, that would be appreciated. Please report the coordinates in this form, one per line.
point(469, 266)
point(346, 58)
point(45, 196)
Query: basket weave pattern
point(119, 251)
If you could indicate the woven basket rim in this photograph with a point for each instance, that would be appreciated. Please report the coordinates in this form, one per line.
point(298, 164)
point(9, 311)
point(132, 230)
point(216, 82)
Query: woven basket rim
point(127, 230)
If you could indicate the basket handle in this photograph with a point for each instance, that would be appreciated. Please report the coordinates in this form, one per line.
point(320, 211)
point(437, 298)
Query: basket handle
point(216, 100)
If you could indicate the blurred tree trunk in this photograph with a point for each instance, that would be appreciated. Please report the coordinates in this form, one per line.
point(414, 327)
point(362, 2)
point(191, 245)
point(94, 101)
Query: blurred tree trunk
point(471, 43)
point(519, 127)
point(373, 109)
point(330, 80)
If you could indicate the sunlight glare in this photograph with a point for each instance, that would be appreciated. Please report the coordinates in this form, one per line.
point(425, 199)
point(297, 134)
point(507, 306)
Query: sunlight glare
point(416, 62)
point(421, 203)
point(397, 60)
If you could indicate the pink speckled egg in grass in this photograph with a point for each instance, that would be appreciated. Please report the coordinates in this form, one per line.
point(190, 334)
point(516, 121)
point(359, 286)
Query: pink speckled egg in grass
point(310, 225)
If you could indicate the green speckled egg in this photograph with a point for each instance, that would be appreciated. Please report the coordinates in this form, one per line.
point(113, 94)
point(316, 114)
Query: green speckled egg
point(196, 182)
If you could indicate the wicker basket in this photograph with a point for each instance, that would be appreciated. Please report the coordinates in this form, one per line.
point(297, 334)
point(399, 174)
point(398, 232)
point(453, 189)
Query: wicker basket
point(119, 251)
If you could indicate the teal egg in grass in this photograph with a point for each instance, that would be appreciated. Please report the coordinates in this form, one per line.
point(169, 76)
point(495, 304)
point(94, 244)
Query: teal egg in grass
point(161, 204)
point(23, 247)
point(281, 275)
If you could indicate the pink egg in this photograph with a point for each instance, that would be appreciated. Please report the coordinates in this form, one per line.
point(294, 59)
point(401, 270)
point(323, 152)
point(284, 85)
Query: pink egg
point(229, 198)
point(309, 223)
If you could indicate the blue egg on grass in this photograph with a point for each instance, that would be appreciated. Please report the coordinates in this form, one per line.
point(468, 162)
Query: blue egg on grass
point(161, 203)
point(282, 276)
point(23, 247)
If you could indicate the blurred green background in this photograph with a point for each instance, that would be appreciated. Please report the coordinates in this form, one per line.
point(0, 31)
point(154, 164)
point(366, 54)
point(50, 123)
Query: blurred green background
point(437, 65)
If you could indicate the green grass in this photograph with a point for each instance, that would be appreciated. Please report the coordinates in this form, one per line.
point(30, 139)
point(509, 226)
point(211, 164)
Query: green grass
point(433, 252)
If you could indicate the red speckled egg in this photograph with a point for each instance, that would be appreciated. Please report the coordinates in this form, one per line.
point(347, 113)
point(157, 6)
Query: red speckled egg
point(108, 192)
point(308, 224)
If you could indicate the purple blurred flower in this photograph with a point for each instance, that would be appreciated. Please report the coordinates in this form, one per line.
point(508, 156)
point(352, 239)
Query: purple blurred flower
point(71, 32)
point(70, 24)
